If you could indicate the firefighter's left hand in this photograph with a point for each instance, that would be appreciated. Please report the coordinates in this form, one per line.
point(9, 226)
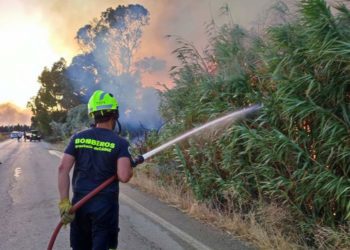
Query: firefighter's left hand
point(64, 207)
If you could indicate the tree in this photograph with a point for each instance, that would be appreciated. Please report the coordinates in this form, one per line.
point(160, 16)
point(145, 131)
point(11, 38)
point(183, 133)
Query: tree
point(108, 46)
point(107, 62)
point(55, 97)
point(114, 38)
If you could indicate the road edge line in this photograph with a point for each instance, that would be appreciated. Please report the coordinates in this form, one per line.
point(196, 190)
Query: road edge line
point(181, 234)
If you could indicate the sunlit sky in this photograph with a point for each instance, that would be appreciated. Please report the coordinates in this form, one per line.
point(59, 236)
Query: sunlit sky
point(37, 33)
point(22, 62)
point(25, 49)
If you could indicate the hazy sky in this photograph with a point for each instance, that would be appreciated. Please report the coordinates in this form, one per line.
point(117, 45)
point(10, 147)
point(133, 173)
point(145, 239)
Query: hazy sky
point(36, 33)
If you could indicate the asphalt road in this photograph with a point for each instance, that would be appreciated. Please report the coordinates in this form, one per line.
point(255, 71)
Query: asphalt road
point(29, 214)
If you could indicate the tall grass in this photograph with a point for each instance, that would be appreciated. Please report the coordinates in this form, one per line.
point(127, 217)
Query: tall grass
point(297, 151)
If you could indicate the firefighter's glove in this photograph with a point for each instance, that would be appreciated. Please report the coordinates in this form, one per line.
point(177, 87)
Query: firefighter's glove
point(138, 160)
point(64, 207)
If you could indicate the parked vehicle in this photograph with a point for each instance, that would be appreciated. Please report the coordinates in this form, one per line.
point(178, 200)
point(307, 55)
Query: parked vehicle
point(15, 134)
point(34, 135)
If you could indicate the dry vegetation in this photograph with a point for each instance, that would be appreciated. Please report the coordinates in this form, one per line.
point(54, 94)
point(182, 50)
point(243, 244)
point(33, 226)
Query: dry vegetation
point(265, 228)
point(3, 136)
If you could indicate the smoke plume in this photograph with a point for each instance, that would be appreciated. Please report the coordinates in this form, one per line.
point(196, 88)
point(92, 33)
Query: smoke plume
point(10, 114)
point(150, 64)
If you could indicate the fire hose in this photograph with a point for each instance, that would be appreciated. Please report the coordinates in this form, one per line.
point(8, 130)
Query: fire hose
point(78, 205)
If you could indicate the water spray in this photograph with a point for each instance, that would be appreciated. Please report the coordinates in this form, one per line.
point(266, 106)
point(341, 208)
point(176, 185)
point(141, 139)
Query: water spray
point(232, 117)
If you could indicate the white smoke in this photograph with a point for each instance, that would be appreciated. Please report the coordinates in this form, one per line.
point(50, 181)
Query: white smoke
point(10, 114)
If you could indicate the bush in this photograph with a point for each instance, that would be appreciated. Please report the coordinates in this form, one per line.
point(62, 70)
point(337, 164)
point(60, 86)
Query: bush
point(77, 120)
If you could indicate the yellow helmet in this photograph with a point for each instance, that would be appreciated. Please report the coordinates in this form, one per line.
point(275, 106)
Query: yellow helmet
point(102, 101)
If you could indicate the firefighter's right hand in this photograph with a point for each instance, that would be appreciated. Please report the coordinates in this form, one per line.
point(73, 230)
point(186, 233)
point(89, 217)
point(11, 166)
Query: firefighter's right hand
point(64, 207)
point(138, 160)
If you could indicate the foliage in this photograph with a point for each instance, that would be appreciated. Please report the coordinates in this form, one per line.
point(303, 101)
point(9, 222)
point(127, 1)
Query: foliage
point(77, 120)
point(297, 151)
point(114, 38)
point(108, 46)
point(54, 98)
point(312, 96)
point(17, 127)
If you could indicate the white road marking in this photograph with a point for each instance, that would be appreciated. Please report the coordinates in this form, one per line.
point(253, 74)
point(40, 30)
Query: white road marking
point(181, 234)
point(56, 153)
point(175, 230)
point(18, 172)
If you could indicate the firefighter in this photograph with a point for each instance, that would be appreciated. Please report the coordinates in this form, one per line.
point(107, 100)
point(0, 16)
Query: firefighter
point(97, 154)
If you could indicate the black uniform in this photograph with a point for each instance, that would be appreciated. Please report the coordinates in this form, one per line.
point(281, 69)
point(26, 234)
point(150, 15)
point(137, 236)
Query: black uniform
point(96, 152)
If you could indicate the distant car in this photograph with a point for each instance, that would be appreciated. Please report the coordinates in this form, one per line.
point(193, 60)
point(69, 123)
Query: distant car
point(34, 135)
point(15, 134)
